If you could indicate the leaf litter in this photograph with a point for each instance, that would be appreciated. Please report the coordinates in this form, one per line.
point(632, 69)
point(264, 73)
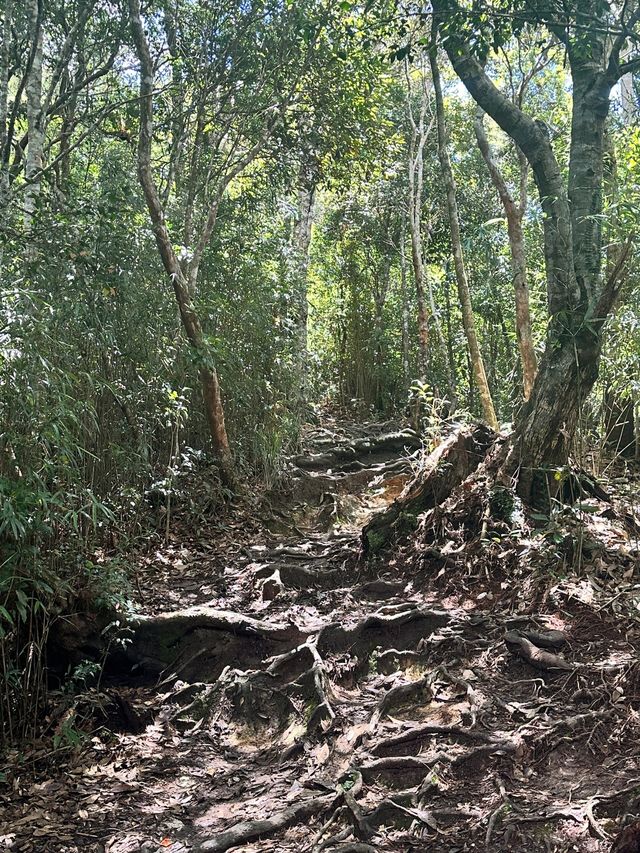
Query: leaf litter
point(422, 711)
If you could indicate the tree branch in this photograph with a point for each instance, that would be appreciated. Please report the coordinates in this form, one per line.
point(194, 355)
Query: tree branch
point(533, 139)
point(614, 67)
point(615, 281)
point(628, 66)
point(496, 175)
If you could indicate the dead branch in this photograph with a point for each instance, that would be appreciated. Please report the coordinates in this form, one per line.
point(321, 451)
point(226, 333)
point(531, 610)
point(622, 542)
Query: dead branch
point(532, 654)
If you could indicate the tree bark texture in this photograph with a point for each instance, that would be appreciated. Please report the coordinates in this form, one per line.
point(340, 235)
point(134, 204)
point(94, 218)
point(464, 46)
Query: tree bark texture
point(182, 285)
point(619, 427)
point(464, 294)
point(380, 292)
point(579, 296)
point(419, 134)
point(35, 128)
point(514, 213)
point(301, 245)
point(405, 302)
point(5, 61)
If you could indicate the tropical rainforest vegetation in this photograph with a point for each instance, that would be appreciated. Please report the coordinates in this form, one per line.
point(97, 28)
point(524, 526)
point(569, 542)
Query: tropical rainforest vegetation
point(227, 225)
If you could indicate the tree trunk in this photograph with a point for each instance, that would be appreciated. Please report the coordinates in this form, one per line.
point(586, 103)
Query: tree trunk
point(548, 423)
point(444, 469)
point(415, 173)
point(619, 429)
point(446, 352)
point(182, 287)
point(380, 297)
point(514, 214)
point(449, 336)
point(66, 131)
point(301, 244)
point(579, 297)
point(35, 132)
point(405, 303)
point(627, 98)
point(423, 334)
point(341, 346)
point(5, 61)
point(464, 294)
point(619, 412)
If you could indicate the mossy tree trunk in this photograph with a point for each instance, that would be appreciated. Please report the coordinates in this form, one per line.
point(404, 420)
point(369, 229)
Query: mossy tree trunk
point(580, 297)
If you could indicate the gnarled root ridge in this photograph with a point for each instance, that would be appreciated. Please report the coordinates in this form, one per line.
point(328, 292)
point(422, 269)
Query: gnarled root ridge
point(446, 694)
point(444, 470)
point(376, 758)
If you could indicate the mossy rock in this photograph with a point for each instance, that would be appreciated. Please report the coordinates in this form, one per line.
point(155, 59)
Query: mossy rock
point(376, 541)
point(501, 503)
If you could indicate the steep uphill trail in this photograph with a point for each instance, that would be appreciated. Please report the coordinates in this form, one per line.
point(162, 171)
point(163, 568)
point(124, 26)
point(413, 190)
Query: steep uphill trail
point(304, 698)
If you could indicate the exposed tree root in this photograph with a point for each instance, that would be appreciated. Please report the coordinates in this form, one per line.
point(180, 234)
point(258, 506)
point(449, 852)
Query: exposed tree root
point(293, 576)
point(196, 643)
point(535, 656)
point(200, 699)
point(417, 734)
point(380, 589)
point(343, 798)
point(397, 767)
point(413, 691)
point(251, 829)
point(544, 639)
point(393, 660)
point(323, 714)
point(297, 681)
point(341, 456)
point(400, 809)
point(162, 642)
point(451, 463)
point(405, 629)
point(426, 706)
point(290, 568)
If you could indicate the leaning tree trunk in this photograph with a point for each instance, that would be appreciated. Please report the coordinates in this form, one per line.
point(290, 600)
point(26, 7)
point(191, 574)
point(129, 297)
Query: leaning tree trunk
point(514, 213)
point(468, 321)
point(545, 431)
point(182, 287)
point(579, 297)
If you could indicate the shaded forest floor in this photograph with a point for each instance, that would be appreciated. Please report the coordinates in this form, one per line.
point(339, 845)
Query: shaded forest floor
point(369, 704)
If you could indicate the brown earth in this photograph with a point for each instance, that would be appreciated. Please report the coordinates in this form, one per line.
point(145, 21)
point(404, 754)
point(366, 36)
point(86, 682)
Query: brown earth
point(472, 686)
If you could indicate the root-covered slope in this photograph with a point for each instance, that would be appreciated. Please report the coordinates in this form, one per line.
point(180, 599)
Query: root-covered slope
point(469, 687)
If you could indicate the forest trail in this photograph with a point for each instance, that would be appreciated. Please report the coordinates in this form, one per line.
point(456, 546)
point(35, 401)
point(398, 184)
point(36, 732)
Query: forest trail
point(217, 220)
point(317, 701)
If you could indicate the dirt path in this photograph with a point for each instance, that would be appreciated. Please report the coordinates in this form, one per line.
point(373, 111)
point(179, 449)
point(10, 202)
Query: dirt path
point(319, 702)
